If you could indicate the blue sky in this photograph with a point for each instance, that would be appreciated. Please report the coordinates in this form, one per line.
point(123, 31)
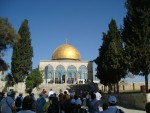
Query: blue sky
point(52, 21)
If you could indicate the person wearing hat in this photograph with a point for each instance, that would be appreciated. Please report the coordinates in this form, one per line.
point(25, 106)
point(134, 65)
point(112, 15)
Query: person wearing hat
point(93, 104)
point(7, 104)
point(112, 106)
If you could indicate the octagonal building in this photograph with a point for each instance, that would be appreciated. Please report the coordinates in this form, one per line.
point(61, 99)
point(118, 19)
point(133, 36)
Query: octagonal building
point(66, 67)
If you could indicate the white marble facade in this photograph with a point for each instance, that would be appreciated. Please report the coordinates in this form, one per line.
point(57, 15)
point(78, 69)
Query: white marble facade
point(66, 71)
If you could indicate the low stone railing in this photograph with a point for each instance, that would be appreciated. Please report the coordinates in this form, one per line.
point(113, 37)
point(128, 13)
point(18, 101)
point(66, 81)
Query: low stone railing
point(132, 100)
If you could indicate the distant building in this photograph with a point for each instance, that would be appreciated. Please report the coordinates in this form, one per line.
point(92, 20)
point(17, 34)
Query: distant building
point(66, 67)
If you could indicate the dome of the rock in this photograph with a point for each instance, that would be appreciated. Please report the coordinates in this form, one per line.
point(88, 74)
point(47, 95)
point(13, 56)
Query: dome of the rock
point(66, 52)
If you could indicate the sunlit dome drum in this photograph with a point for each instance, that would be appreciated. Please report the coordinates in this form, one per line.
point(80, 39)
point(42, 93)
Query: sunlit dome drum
point(66, 52)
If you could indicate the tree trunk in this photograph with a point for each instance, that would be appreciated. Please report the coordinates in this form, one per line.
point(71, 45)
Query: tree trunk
point(117, 84)
point(114, 88)
point(105, 88)
point(146, 83)
point(117, 87)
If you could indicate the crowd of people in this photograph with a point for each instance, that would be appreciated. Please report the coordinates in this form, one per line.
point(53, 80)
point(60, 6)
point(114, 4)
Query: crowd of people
point(64, 102)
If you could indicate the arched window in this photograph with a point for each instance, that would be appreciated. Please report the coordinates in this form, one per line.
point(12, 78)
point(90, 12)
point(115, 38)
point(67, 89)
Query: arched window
point(60, 70)
point(83, 72)
point(71, 71)
point(49, 72)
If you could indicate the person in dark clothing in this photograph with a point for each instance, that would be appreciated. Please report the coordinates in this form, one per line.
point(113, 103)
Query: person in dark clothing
point(27, 105)
point(105, 106)
point(2, 95)
point(53, 107)
point(147, 107)
point(40, 103)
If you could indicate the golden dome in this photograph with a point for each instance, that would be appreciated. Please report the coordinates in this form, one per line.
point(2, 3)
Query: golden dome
point(66, 51)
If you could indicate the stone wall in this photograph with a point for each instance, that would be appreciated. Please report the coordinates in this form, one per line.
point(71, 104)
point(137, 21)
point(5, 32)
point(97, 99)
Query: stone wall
point(126, 86)
point(132, 100)
point(132, 86)
point(20, 87)
point(2, 85)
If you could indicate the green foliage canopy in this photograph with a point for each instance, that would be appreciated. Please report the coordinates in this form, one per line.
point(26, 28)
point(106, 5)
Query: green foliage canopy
point(136, 37)
point(34, 79)
point(8, 37)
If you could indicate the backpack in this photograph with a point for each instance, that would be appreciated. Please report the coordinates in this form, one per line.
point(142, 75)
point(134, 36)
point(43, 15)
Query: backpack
point(18, 102)
point(53, 107)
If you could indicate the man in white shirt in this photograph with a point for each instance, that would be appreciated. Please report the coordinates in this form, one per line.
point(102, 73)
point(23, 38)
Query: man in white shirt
point(98, 96)
point(51, 92)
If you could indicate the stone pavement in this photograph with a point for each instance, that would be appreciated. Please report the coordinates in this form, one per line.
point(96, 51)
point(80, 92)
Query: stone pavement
point(128, 110)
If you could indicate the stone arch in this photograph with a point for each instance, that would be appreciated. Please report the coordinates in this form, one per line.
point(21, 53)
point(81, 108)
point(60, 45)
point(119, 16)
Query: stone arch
point(83, 74)
point(71, 74)
point(49, 73)
point(59, 74)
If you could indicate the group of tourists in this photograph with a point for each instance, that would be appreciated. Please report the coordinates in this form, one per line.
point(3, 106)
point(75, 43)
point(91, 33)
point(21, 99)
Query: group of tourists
point(19, 104)
point(72, 102)
point(64, 102)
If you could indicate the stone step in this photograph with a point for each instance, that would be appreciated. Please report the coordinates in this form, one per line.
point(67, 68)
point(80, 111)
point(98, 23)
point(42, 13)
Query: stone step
point(63, 87)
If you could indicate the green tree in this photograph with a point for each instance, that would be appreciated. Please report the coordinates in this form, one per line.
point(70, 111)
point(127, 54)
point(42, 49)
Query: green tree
point(110, 66)
point(136, 37)
point(8, 37)
point(21, 64)
point(34, 79)
point(101, 61)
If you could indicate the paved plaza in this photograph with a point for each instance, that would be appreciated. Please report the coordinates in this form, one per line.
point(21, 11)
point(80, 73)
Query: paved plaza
point(127, 110)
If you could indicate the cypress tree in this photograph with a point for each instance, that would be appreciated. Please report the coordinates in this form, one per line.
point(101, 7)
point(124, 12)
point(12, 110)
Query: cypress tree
point(110, 60)
point(136, 36)
point(21, 63)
